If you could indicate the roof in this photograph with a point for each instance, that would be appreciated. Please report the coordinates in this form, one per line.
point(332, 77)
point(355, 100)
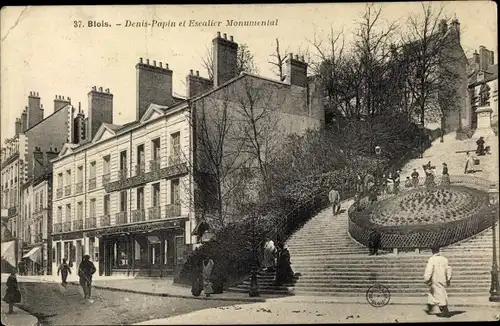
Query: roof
point(490, 74)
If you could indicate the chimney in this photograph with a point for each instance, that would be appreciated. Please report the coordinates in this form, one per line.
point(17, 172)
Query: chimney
point(19, 126)
point(475, 57)
point(443, 26)
point(485, 58)
point(35, 112)
point(196, 84)
point(60, 102)
point(455, 28)
point(225, 54)
point(100, 110)
point(295, 71)
point(154, 85)
point(79, 127)
point(24, 120)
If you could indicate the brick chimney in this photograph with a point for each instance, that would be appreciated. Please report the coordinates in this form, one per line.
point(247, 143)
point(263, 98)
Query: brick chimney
point(18, 126)
point(35, 111)
point(296, 71)
point(100, 109)
point(24, 120)
point(60, 102)
point(443, 26)
point(154, 85)
point(455, 29)
point(79, 126)
point(225, 59)
point(196, 84)
point(486, 58)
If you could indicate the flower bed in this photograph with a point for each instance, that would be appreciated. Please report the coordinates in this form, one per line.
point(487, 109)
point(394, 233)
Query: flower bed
point(423, 218)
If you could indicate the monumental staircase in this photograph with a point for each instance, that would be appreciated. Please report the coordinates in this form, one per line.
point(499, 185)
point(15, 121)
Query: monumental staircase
point(327, 261)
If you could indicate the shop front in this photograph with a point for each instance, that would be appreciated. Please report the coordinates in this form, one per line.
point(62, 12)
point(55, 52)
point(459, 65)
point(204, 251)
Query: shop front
point(150, 249)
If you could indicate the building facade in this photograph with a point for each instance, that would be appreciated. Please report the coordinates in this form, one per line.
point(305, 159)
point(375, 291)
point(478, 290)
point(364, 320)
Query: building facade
point(125, 194)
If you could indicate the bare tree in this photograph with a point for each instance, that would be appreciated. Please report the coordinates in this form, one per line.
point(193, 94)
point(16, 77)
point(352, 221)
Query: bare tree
point(278, 61)
point(245, 61)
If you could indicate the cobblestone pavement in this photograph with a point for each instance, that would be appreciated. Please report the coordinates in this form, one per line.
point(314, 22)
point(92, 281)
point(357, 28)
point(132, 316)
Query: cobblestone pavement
point(54, 305)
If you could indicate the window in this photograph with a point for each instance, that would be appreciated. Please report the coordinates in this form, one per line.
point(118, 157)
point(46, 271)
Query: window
point(123, 201)
point(106, 204)
point(37, 200)
point(105, 164)
point(92, 208)
point(174, 193)
point(140, 154)
point(60, 180)
point(92, 170)
point(41, 199)
point(156, 148)
point(140, 198)
point(68, 177)
point(156, 195)
point(68, 212)
point(175, 143)
point(123, 160)
point(79, 174)
point(79, 211)
point(59, 214)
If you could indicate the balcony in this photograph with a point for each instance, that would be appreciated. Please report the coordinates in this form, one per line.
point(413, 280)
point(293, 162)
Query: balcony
point(140, 168)
point(57, 228)
point(105, 220)
point(67, 190)
point(59, 192)
point(79, 188)
point(90, 223)
point(66, 226)
point(11, 211)
point(122, 174)
point(121, 218)
point(92, 184)
point(154, 165)
point(105, 178)
point(77, 225)
point(173, 210)
point(138, 215)
point(174, 160)
point(154, 213)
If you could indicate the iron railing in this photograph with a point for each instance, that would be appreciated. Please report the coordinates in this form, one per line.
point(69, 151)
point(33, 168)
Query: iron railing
point(138, 215)
point(67, 190)
point(92, 183)
point(57, 228)
point(90, 223)
point(77, 225)
point(121, 218)
point(154, 213)
point(59, 192)
point(122, 174)
point(79, 188)
point(105, 220)
point(140, 168)
point(174, 160)
point(154, 165)
point(106, 178)
point(66, 227)
point(173, 210)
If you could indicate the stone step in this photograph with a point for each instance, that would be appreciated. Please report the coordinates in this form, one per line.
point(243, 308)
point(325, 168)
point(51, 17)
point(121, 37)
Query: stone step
point(388, 258)
point(393, 283)
point(367, 270)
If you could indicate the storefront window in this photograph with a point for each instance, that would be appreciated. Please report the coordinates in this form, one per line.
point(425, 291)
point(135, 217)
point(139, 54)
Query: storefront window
point(121, 254)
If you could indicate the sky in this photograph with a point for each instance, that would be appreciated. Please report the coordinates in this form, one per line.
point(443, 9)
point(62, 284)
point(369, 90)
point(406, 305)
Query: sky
point(42, 51)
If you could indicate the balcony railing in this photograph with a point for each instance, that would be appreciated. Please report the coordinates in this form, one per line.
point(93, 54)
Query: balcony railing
point(154, 165)
point(90, 223)
point(154, 213)
point(79, 188)
point(174, 160)
point(138, 215)
point(105, 178)
point(57, 228)
point(105, 220)
point(67, 190)
point(66, 227)
point(173, 210)
point(140, 168)
point(92, 184)
point(121, 218)
point(122, 174)
point(59, 193)
point(77, 224)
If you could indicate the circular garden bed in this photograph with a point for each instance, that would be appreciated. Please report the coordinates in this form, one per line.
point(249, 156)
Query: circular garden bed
point(423, 218)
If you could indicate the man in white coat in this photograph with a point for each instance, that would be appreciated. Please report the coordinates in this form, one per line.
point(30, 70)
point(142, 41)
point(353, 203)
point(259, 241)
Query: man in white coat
point(437, 276)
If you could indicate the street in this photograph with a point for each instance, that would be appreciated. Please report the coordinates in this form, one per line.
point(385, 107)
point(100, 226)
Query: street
point(54, 305)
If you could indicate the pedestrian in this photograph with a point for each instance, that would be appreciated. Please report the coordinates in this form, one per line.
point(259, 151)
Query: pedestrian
point(64, 269)
point(390, 184)
point(414, 178)
point(270, 251)
point(197, 280)
point(85, 272)
point(373, 195)
point(374, 242)
point(208, 265)
point(397, 179)
point(359, 184)
point(480, 146)
point(334, 197)
point(408, 183)
point(469, 163)
point(284, 272)
point(445, 177)
point(437, 276)
point(12, 293)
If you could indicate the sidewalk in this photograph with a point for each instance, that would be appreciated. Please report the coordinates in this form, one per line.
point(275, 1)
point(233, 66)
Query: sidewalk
point(18, 318)
point(164, 287)
point(277, 311)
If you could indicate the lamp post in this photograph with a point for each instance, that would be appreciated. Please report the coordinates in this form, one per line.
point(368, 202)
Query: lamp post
point(378, 150)
point(254, 286)
point(495, 288)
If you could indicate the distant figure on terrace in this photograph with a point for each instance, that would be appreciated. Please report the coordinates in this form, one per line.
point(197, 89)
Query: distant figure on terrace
point(334, 197)
point(269, 256)
point(445, 177)
point(369, 181)
point(414, 178)
point(284, 272)
point(427, 166)
point(374, 242)
point(359, 184)
point(480, 146)
point(397, 180)
point(469, 163)
point(390, 184)
point(429, 177)
point(373, 194)
point(408, 183)
point(383, 184)
point(437, 276)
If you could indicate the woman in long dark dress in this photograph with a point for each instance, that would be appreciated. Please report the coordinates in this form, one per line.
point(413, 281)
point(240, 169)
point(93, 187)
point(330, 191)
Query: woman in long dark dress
point(12, 294)
point(284, 272)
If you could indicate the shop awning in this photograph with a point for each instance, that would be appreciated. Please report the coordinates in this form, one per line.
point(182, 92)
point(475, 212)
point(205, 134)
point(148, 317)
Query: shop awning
point(9, 252)
point(35, 255)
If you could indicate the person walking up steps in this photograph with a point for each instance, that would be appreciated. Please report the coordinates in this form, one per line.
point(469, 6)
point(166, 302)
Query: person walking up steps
point(437, 276)
point(334, 197)
point(85, 272)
